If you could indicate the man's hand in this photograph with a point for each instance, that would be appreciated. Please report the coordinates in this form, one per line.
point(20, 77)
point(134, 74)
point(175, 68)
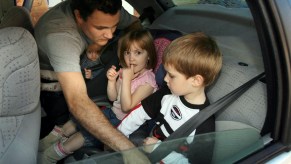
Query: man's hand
point(134, 156)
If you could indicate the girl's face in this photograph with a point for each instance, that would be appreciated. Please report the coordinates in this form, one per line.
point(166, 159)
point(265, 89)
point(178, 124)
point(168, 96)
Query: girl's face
point(137, 57)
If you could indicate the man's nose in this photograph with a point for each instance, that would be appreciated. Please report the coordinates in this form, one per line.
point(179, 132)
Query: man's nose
point(109, 33)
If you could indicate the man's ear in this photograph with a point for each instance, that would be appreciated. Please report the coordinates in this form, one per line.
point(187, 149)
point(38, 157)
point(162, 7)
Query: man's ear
point(198, 80)
point(78, 17)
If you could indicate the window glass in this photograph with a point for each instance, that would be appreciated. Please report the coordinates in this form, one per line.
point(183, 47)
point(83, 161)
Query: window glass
point(125, 4)
point(39, 7)
point(227, 147)
point(225, 3)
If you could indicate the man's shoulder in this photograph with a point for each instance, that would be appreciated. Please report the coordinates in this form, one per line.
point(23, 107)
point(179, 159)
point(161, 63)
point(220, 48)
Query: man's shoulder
point(57, 19)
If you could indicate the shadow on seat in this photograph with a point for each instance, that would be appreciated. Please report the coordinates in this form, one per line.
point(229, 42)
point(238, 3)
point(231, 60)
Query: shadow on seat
point(17, 17)
point(19, 98)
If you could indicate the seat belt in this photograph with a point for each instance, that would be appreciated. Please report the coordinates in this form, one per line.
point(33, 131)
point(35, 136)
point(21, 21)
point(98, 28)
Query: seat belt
point(189, 126)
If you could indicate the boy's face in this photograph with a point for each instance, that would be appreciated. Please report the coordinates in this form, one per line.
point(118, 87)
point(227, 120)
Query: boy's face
point(177, 82)
point(99, 27)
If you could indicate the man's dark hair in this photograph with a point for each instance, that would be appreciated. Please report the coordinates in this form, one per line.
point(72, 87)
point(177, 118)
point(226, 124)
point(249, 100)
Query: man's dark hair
point(87, 7)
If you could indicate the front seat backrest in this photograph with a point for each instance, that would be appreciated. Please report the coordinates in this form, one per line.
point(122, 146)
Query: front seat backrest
point(19, 96)
point(17, 16)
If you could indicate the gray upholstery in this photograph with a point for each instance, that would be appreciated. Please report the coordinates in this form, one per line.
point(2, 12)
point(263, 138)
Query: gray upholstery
point(19, 96)
point(17, 17)
point(251, 107)
point(4, 6)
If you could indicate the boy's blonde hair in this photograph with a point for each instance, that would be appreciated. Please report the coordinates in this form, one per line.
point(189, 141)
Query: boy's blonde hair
point(144, 40)
point(194, 54)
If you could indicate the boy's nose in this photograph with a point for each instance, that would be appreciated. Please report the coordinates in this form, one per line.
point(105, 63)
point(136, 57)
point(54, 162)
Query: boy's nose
point(166, 78)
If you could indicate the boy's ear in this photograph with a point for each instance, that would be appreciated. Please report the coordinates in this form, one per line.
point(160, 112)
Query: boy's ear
point(198, 80)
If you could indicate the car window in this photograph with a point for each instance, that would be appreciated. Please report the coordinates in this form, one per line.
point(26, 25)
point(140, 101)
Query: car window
point(229, 146)
point(225, 3)
point(39, 7)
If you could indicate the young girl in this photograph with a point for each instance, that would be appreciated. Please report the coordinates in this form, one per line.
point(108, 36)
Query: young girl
point(135, 82)
point(90, 60)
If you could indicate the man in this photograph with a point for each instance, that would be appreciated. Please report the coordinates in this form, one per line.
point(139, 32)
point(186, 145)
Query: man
point(62, 34)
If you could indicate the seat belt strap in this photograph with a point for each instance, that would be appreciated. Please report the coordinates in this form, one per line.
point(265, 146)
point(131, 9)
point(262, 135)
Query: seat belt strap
point(189, 126)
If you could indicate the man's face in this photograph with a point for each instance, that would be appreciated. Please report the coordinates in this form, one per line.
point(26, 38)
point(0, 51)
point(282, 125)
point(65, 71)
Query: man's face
point(99, 27)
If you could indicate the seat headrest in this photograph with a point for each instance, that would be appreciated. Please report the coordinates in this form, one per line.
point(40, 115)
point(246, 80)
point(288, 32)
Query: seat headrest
point(19, 72)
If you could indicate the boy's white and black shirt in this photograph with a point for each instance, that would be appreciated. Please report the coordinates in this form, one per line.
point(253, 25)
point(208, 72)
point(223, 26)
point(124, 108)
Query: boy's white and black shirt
point(169, 111)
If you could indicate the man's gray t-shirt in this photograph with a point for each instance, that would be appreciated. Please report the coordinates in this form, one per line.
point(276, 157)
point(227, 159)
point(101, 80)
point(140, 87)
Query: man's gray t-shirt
point(61, 42)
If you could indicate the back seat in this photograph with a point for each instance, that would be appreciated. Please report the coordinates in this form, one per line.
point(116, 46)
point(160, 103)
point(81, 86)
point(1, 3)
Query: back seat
point(251, 108)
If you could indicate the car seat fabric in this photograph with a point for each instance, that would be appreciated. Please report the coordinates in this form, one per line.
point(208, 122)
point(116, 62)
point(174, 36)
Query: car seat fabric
point(251, 108)
point(162, 38)
point(4, 6)
point(19, 98)
point(17, 17)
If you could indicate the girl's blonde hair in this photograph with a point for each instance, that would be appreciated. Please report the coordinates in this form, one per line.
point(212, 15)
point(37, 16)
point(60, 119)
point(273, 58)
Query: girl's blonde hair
point(194, 54)
point(144, 40)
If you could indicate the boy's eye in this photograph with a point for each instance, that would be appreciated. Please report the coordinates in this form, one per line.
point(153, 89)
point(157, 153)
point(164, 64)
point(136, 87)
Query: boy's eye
point(170, 75)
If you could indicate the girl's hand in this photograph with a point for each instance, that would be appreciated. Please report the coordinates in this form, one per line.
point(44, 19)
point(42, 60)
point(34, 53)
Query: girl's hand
point(112, 74)
point(128, 73)
point(88, 73)
point(148, 143)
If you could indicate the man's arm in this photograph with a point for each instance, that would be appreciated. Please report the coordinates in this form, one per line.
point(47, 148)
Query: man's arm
point(88, 114)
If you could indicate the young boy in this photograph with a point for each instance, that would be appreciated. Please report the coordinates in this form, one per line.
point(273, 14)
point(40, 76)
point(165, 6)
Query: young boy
point(192, 62)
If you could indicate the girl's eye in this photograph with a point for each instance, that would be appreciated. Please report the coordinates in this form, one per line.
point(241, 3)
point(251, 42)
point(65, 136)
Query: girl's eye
point(126, 52)
point(138, 52)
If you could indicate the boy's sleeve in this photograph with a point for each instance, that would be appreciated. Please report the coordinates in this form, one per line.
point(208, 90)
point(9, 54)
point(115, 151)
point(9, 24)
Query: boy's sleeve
point(148, 109)
point(175, 157)
point(133, 121)
point(152, 104)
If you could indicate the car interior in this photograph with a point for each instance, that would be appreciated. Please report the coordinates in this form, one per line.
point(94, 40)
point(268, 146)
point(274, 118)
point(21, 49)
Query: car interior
point(236, 35)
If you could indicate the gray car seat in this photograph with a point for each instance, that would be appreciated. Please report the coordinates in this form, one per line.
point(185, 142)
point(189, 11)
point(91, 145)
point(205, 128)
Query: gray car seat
point(17, 16)
point(242, 121)
point(19, 98)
